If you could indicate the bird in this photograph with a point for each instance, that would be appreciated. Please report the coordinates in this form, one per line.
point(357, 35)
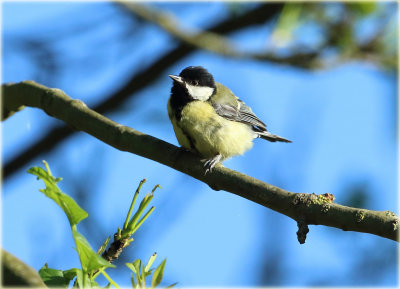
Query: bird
point(210, 120)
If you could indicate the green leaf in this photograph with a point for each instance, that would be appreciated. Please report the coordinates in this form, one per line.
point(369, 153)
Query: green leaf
point(172, 285)
point(86, 281)
point(74, 213)
point(362, 9)
point(104, 246)
point(109, 278)
point(143, 277)
point(53, 277)
point(137, 226)
point(90, 261)
point(133, 281)
point(71, 273)
point(158, 274)
point(79, 278)
point(135, 266)
point(143, 204)
point(150, 262)
point(130, 266)
point(287, 23)
point(133, 223)
point(94, 284)
point(137, 263)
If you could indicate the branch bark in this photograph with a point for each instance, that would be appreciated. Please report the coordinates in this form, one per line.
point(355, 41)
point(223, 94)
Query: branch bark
point(16, 273)
point(305, 209)
point(139, 81)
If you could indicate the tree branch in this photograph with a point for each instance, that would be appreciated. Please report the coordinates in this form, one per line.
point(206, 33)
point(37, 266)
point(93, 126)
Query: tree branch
point(306, 209)
point(16, 273)
point(139, 81)
point(214, 42)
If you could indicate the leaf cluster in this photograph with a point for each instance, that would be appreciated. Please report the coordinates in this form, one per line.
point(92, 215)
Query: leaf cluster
point(92, 263)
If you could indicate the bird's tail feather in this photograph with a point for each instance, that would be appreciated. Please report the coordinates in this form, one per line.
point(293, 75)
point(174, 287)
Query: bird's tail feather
point(272, 137)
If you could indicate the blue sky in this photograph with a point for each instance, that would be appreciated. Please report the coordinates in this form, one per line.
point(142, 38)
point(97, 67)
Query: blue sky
point(342, 120)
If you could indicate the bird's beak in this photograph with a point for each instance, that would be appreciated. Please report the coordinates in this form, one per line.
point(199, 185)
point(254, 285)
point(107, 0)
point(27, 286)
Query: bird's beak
point(176, 78)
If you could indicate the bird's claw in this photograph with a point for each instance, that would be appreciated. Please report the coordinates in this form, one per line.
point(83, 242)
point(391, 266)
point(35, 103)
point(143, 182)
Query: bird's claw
point(210, 164)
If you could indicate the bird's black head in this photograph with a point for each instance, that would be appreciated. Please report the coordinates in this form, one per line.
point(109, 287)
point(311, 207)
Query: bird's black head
point(193, 83)
point(197, 76)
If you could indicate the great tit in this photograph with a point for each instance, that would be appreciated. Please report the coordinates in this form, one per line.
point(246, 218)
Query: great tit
point(210, 120)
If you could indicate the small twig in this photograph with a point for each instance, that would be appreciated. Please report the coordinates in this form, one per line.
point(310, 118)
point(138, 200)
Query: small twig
point(123, 238)
point(303, 230)
point(115, 249)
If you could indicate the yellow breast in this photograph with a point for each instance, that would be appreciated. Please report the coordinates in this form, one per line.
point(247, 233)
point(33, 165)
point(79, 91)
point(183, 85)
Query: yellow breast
point(198, 110)
point(213, 134)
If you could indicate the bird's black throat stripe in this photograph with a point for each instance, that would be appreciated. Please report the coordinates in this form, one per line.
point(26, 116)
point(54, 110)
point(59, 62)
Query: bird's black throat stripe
point(179, 98)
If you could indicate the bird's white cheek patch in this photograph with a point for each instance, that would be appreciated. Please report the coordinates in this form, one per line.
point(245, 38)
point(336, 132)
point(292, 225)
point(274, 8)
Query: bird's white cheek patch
point(200, 92)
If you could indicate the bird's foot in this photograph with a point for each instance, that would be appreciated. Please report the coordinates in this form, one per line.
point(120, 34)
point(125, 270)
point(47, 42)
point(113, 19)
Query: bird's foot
point(210, 164)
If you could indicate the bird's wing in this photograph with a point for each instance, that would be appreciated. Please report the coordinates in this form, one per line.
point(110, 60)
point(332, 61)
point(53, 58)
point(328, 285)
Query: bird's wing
point(231, 107)
point(247, 115)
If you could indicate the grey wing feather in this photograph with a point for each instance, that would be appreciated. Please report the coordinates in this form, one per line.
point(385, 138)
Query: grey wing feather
point(225, 110)
point(241, 113)
point(247, 115)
